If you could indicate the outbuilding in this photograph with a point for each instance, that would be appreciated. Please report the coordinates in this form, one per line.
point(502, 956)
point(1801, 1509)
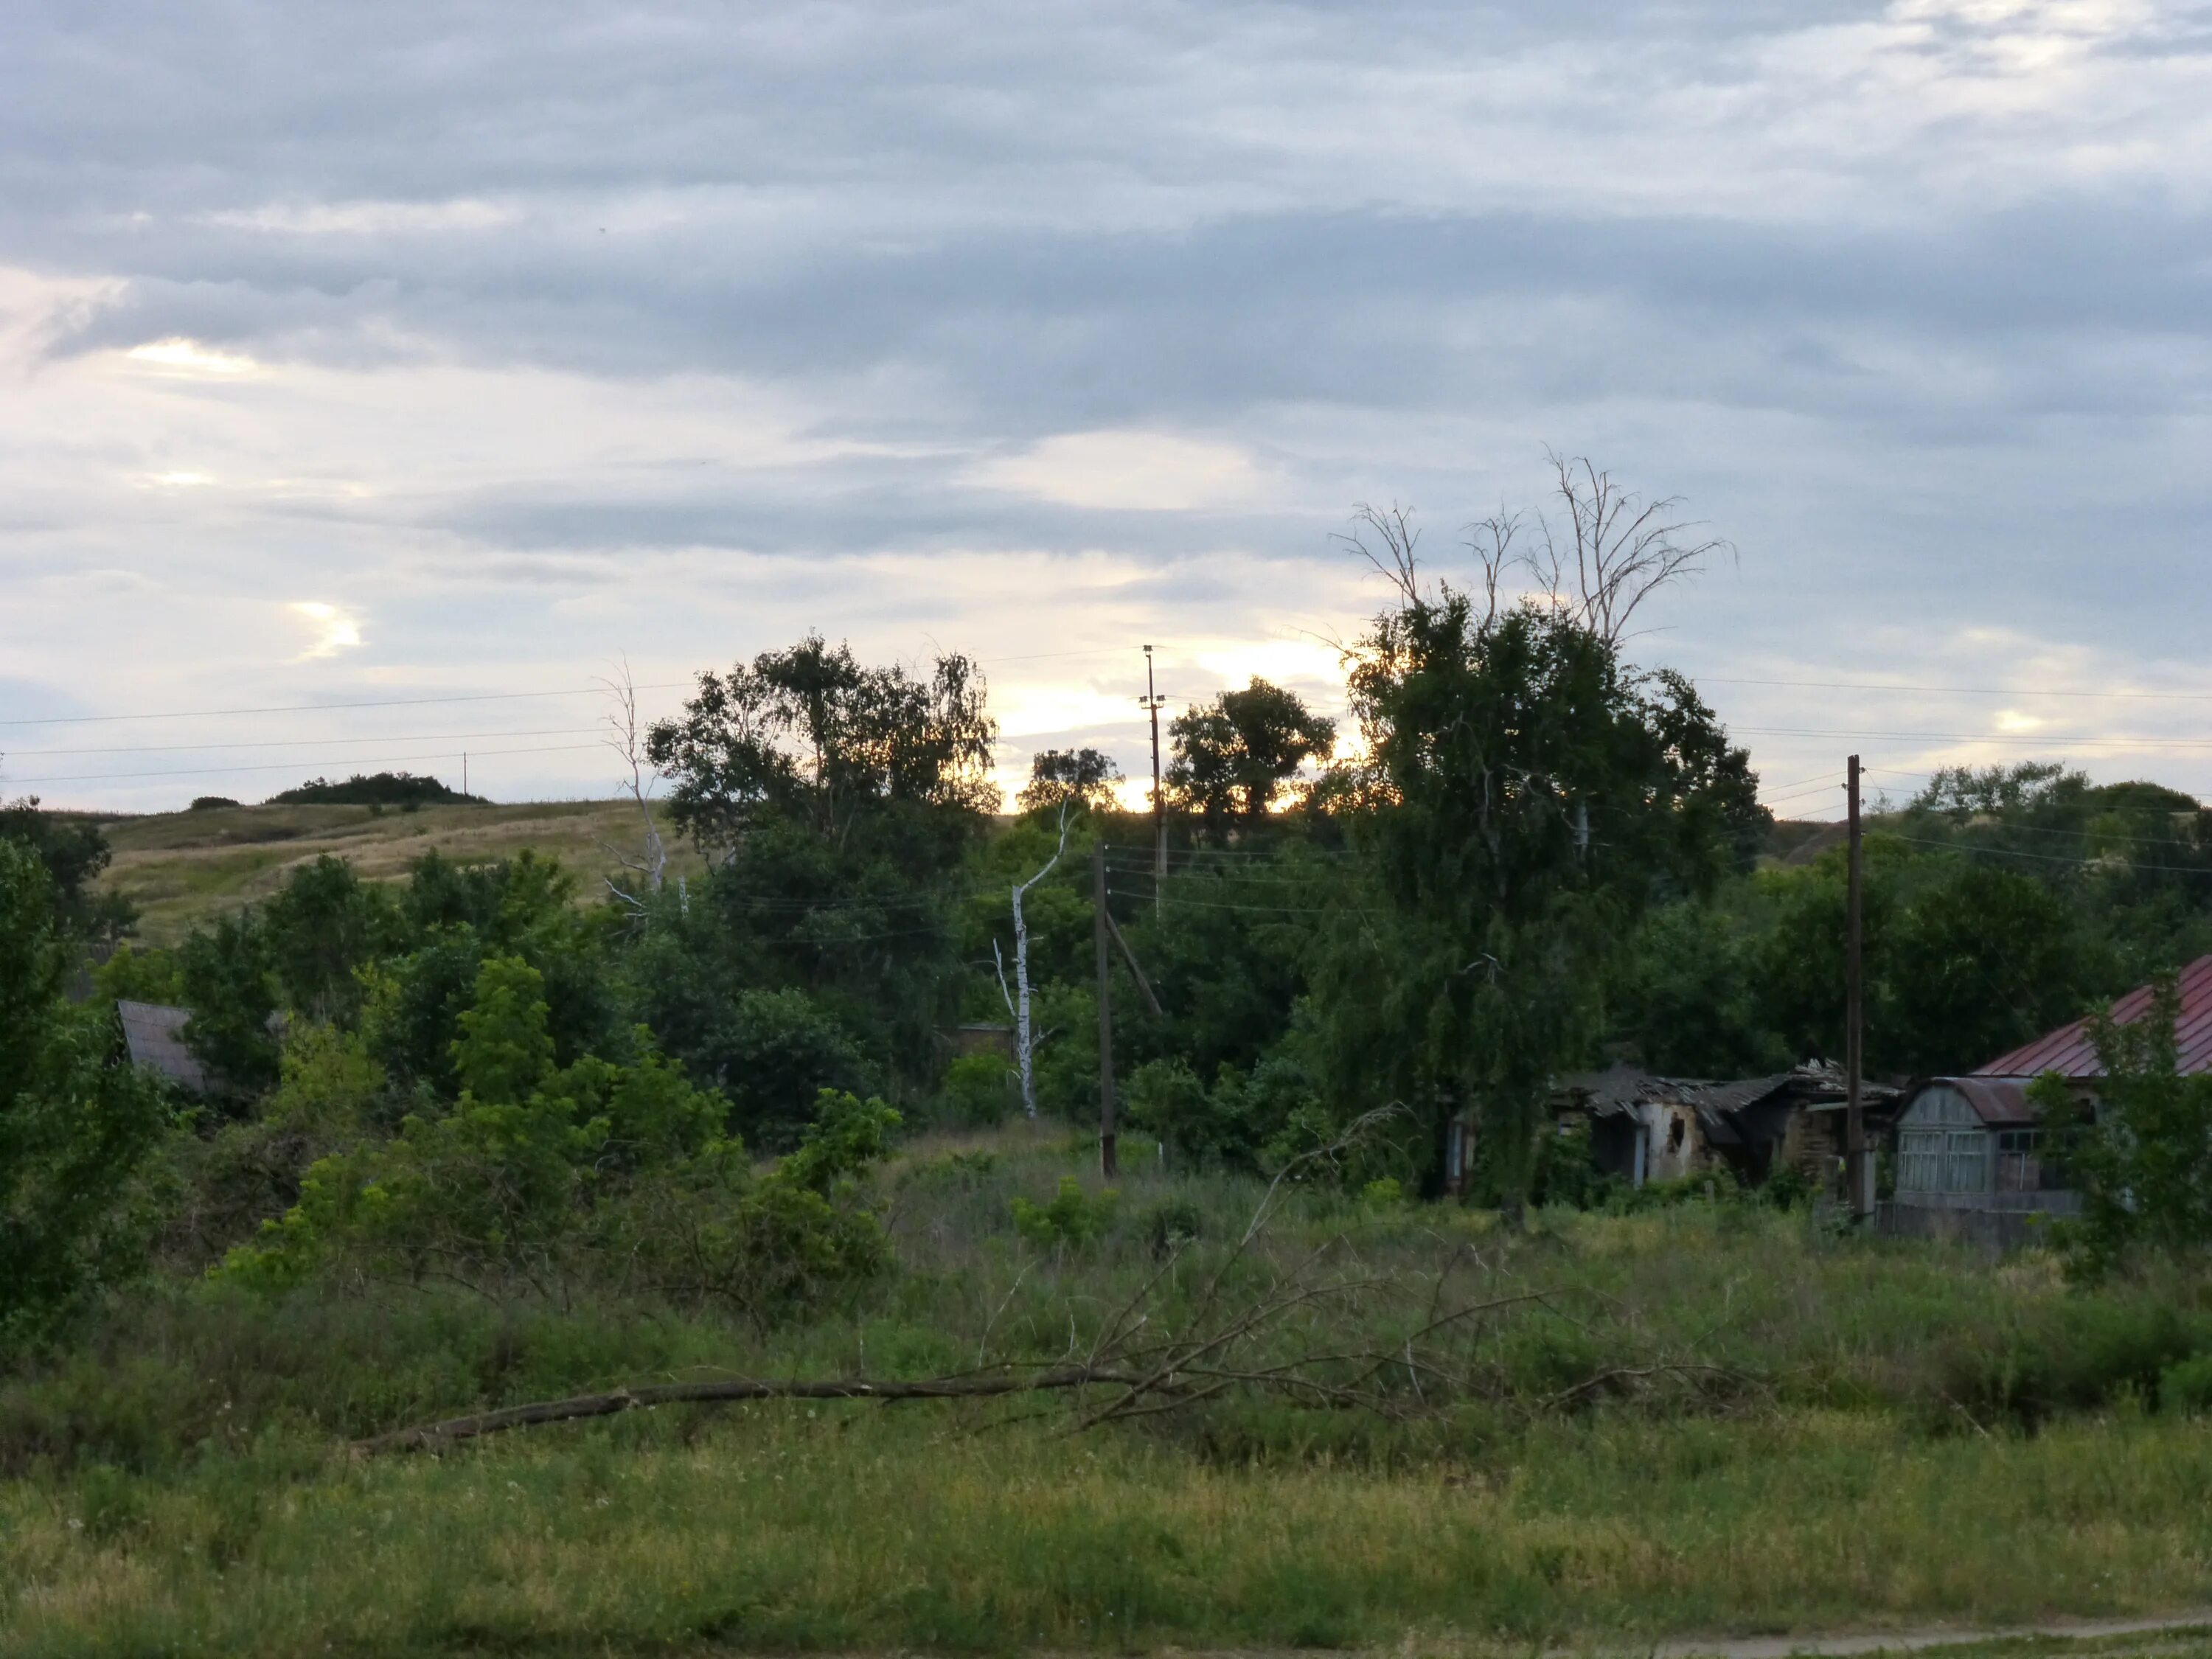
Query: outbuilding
point(1972, 1158)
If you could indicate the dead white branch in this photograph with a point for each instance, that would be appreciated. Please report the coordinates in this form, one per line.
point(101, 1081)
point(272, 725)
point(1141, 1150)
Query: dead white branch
point(1018, 1005)
point(650, 863)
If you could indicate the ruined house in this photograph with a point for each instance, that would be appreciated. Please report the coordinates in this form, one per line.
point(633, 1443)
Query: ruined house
point(1644, 1127)
point(153, 1035)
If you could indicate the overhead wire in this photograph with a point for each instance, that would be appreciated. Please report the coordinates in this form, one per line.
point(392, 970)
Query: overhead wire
point(296, 765)
point(473, 696)
point(2053, 858)
point(303, 742)
point(1957, 691)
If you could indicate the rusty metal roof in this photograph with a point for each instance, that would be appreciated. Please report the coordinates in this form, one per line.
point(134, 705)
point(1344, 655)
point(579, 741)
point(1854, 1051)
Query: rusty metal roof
point(2068, 1051)
point(154, 1034)
point(1995, 1100)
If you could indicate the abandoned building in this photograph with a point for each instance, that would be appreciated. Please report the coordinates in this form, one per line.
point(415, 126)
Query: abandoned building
point(1970, 1153)
point(154, 1037)
point(1644, 1127)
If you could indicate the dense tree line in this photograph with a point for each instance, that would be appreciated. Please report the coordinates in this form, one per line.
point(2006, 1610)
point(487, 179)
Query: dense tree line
point(1537, 857)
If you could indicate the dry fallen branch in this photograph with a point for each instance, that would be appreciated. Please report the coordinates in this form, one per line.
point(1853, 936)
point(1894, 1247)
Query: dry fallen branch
point(1255, 1323)
point(431, 1436)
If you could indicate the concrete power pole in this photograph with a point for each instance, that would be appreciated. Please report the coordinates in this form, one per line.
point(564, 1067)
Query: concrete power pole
point(1858, 1187)
point(1152, 701)
point(1100, 922)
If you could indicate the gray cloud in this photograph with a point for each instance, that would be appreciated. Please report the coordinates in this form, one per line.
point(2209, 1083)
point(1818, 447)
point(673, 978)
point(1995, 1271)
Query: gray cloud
point(1908, 299)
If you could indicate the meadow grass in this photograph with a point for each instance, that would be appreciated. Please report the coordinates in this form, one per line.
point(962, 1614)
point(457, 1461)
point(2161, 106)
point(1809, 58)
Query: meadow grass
point(182, 869)
point(1900, 1434)
point(793, 1528)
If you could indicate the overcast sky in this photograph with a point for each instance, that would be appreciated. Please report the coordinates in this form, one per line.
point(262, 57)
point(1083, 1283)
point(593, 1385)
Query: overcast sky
point(359, 353)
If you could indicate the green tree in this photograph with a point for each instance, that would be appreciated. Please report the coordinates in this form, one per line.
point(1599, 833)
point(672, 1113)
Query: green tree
point(810, 735)
point(75, 852)
point(1084, 776)
point(504, 1048)
point(838, 803)
point(228, 974)
point(1234, 758)
point(321, 926)
point(75, 1128)
point(1523, 796)
point(2143, 1162)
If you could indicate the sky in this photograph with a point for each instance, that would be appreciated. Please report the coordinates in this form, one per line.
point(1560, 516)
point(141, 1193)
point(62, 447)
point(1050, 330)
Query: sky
point(375, 354)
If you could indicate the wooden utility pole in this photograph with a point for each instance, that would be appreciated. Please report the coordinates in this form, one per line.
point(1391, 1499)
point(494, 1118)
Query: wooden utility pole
point(1854, 1152)
point(1152, 701)
point(1100, 922)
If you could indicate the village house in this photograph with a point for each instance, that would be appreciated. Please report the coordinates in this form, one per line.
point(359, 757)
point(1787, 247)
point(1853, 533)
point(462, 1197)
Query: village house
point(1970, 1152)
point(1644, 1127)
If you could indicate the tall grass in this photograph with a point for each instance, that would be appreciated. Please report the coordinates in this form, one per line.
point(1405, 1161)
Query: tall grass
point(1857, 1433)
point(787, 1529)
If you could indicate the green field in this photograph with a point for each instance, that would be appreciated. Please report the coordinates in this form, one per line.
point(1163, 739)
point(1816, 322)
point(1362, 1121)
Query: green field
point(183, 868)
point(1715, 1420)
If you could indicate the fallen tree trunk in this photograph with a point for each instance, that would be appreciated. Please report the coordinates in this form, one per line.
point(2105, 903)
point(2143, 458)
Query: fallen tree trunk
point(432, 1437)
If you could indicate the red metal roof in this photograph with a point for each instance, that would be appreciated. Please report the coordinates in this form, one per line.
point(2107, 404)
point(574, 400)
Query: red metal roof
point(2068, 1051)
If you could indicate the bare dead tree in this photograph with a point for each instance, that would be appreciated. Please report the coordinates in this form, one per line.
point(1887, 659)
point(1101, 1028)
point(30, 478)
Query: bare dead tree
point(649, 865)
point(1608, 552)
point(1613, 549)
point(1387, 538)
point(1018, 1003)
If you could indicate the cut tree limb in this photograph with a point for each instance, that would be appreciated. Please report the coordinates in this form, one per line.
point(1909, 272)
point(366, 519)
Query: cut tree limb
point(430, 1437)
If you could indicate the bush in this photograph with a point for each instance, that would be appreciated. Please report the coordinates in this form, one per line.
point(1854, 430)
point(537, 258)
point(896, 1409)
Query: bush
point(373, 789)
point(2080, 1353)
point(1170, 1224)
point(978, 1090)
point(2185, 1386)
point(1072, 1221)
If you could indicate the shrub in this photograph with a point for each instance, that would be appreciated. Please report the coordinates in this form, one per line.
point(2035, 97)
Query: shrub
point(1170, 1223)
point(377, 789)
point(1072, 1220)
point(979, 1089)
point(2185, 1386)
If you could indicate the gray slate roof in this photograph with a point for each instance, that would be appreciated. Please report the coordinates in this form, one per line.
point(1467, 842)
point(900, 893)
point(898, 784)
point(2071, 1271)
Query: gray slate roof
point(154, 1033)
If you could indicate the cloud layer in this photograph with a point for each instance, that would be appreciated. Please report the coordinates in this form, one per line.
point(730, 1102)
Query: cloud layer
point(517, 339)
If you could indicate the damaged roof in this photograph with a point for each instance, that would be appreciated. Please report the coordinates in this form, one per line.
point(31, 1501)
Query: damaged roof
point(153, 1033)
point(2068, 1052)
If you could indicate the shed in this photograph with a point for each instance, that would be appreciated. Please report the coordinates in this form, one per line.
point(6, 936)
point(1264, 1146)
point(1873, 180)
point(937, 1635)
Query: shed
point(1970, 1159)
point(1972, 1143)
point(154, 1035)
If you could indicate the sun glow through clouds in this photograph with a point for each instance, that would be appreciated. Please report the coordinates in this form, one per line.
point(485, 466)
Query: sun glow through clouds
point(335, 630)
point(178, 355)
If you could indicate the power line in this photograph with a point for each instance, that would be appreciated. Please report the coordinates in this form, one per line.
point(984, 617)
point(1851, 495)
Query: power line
point(2050, 742)
point(296, 765)
point(2057, 857)
point(297, 743)
point(480, 697)
point(1957, 690)
point(324, 708)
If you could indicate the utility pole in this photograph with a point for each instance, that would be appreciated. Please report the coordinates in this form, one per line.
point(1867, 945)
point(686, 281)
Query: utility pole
point(1152, 701)
point(464, 771)
point(1100, 922)
point(1854, 1152)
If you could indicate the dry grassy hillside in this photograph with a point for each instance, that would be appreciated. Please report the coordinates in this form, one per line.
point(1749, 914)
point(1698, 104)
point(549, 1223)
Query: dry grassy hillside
point(180, 868)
